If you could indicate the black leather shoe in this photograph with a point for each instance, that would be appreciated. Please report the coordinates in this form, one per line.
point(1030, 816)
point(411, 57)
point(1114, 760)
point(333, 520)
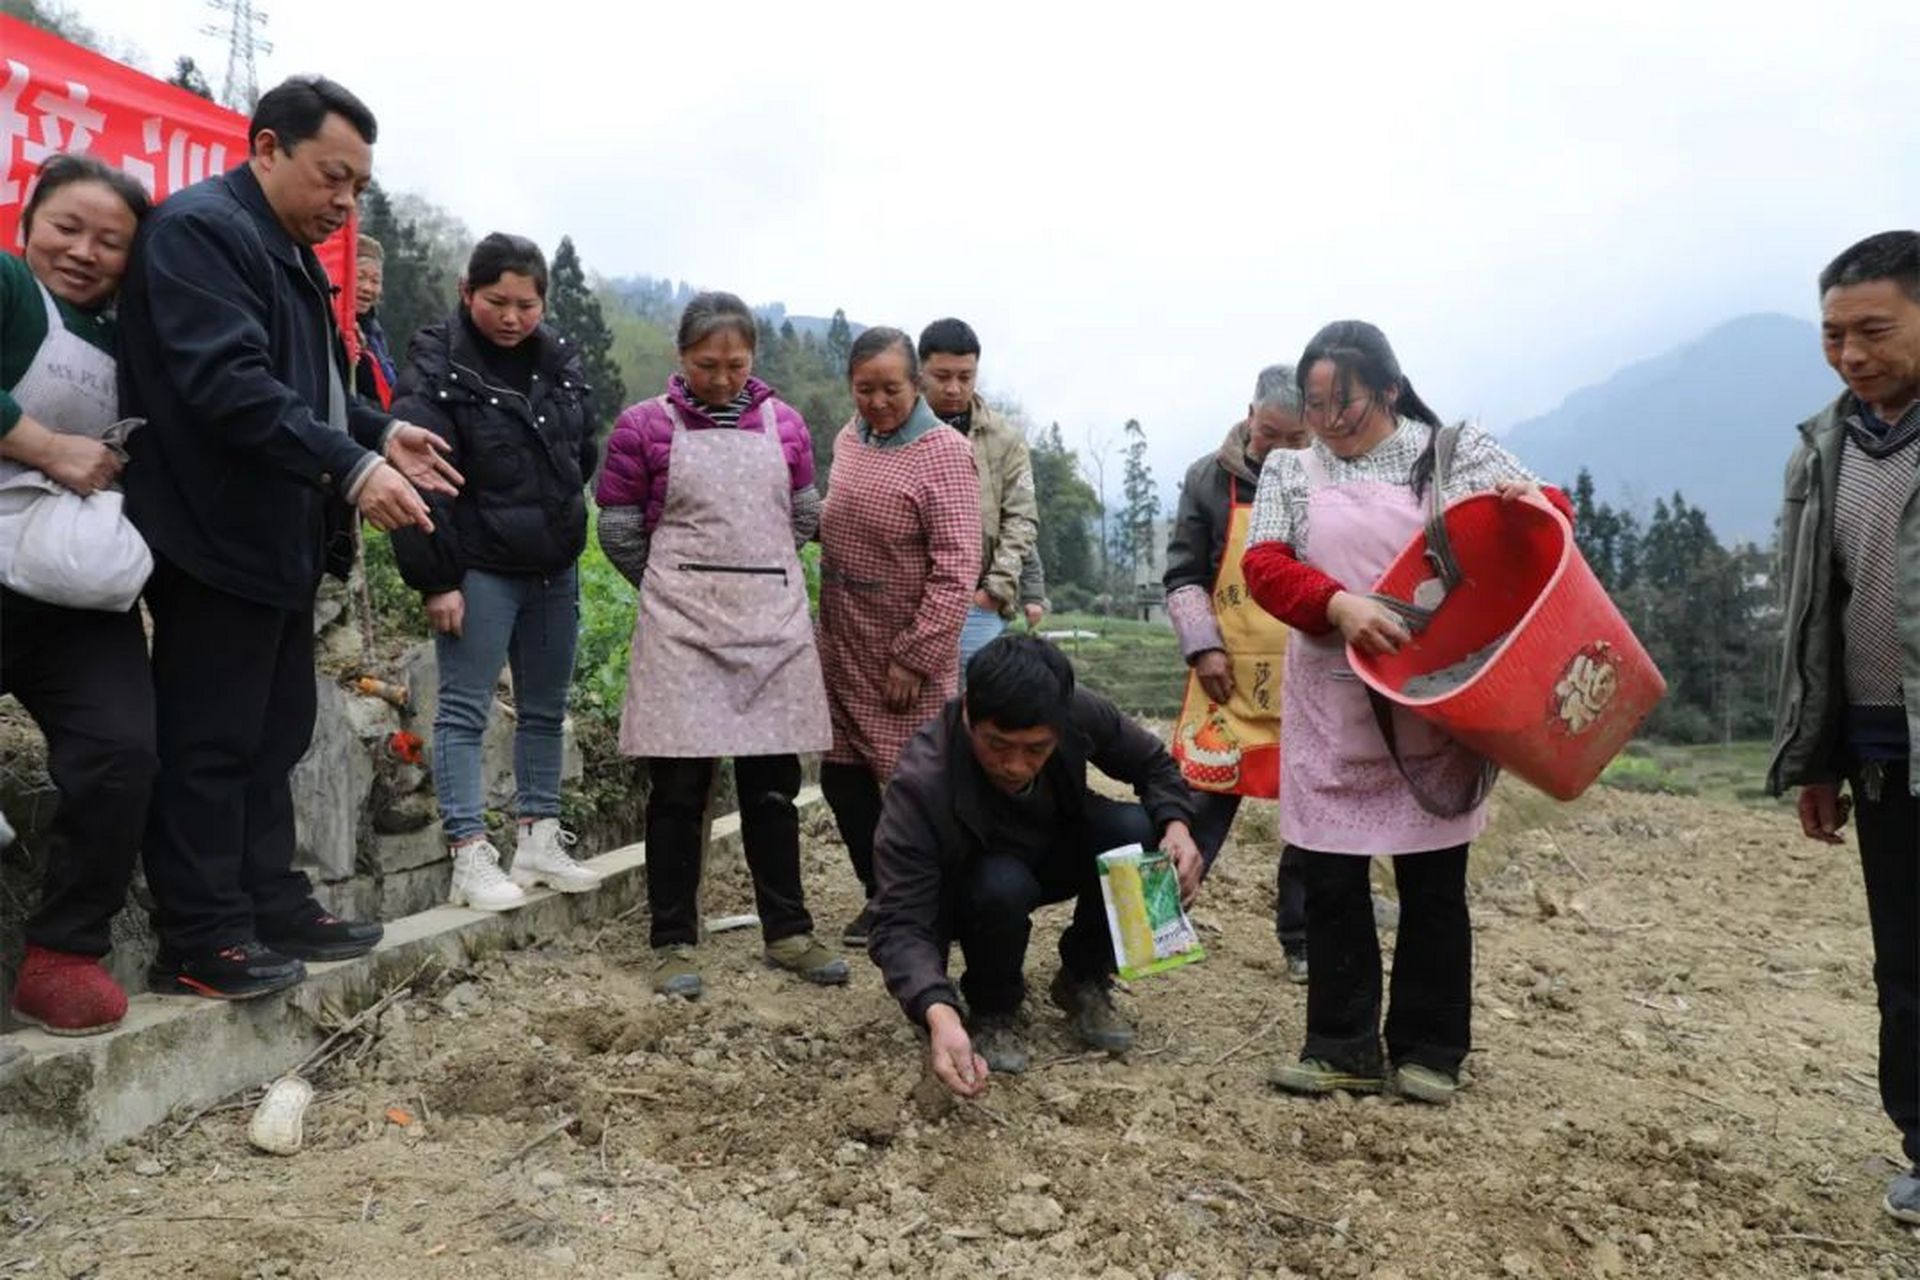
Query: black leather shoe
point(239, 972)
point(314, 934)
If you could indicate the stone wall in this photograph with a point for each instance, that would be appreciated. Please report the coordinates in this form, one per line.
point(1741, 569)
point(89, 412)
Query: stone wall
point(367, 827)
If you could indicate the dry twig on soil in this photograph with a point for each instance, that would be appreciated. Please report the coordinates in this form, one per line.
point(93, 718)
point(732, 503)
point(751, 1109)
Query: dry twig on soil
point(545, 1136)
point(1204, 1191)
point(1265, 1030)
point(332, 1045)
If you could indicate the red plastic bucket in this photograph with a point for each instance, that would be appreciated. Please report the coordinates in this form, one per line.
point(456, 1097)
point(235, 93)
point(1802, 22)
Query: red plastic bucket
point(1566, 683)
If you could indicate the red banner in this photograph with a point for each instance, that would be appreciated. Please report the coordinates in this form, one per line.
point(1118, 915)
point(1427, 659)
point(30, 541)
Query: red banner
point(56, 96)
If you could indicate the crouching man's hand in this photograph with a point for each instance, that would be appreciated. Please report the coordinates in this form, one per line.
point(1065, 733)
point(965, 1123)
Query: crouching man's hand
point(1177, 843)
point(950, 1053)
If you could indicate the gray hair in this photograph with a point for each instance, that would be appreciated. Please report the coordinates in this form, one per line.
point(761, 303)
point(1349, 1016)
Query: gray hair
point(714, 312)
point(1277, 386)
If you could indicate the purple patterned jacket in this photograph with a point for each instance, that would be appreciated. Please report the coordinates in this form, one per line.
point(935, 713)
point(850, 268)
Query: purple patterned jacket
point(635, 474)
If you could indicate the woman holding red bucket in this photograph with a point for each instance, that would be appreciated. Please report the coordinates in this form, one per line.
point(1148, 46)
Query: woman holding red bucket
point(1327, 522)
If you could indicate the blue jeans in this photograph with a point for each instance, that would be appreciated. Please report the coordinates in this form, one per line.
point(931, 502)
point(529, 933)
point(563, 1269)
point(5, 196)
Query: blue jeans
point(983, 627)
point(532, 622)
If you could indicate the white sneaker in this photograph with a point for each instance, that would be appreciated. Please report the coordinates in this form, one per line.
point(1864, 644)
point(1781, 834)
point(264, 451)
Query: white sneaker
point(478, 881)
point(541, 858)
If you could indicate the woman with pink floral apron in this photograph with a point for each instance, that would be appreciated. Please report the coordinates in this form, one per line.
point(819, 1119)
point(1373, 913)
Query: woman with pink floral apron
point(706, 494)
point(1327, 522)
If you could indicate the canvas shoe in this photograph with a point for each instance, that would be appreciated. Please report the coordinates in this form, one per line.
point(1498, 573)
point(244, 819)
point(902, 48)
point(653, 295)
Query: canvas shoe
point(675, 973)
point(854, 936)
point(1424, 1084)
point(802, 955)
point(478, 881)
point(1903, 1197)
point(1314, 1076)
point(540, 858)
point(1297, 970)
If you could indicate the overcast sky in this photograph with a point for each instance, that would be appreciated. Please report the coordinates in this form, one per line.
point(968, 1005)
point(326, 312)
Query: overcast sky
point(1138, 213)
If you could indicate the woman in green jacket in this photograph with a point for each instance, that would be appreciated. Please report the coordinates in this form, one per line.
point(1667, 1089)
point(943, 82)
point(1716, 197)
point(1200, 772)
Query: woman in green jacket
point(80, 673)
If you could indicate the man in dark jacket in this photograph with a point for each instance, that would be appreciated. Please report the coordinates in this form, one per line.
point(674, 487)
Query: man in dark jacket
point(1849, 700)
point(245, 482)
point(988, 817)
point(1222, 630)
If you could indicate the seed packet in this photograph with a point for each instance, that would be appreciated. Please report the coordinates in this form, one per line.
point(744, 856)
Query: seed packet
point(1150, 929)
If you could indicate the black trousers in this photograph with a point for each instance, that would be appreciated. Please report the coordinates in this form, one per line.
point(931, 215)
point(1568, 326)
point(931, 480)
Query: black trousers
point(1213, 818)
point(991, 914)
point(1889, 830)
point(234, 700)
point(1430, 1015)
point(82, 675)
point(769, 828)
point(853, 793)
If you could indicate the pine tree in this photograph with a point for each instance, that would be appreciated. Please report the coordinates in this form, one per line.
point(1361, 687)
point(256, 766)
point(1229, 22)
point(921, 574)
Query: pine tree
point(839, 340)
point(1068, 507)
point(58, 19)
point(574, 310)
point(1134, 540)
point(187, 75)
point(417, 291)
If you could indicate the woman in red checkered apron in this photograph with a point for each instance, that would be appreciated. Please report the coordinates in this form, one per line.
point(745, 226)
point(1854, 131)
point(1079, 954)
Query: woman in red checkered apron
point(900, 538)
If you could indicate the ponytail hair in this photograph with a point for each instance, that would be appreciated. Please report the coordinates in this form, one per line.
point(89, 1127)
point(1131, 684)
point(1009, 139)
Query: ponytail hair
point(1361, 354)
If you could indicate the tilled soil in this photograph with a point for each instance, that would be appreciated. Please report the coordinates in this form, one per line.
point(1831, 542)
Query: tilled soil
point(1673, 1077)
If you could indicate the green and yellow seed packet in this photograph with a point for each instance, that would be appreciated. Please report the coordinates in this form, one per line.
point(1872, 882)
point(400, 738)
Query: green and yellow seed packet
point(1150, 929)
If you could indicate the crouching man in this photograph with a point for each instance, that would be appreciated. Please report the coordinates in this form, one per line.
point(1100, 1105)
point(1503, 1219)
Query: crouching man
point(988, 816)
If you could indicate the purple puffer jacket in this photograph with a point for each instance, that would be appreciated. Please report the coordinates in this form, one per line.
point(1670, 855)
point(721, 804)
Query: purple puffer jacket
point(635, 472)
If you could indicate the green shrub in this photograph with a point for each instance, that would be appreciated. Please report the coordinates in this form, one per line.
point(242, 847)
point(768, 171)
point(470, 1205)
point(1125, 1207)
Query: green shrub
point(607, 605)
point(396, 606)
point(1646, 775)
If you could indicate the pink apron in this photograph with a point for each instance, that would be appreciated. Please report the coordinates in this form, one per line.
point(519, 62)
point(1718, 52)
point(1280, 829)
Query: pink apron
point(1339, 789)
point(723, 658)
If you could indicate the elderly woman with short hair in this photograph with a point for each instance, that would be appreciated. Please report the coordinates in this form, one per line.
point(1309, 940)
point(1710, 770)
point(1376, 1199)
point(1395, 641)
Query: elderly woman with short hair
point(1228, 737)
point(706, 497)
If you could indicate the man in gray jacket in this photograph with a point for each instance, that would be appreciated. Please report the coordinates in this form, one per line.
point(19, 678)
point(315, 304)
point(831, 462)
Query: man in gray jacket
point(1849, 700)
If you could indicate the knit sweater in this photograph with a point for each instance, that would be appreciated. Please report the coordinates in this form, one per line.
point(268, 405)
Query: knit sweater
point(1866, 521)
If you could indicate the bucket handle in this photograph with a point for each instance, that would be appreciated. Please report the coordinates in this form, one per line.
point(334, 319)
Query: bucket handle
point(1446, 567)
point(1476, 793)
point(1439, 554)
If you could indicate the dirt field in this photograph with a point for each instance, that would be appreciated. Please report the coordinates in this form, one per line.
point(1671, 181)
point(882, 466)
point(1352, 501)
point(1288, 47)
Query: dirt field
point(1673, 1078)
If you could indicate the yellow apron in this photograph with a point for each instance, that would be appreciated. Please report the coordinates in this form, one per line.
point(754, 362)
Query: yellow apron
point(1235, 749)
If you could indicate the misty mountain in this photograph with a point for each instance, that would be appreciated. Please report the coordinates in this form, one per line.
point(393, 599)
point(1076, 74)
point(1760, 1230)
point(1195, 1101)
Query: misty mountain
point(660, 299)
point(1713, 418)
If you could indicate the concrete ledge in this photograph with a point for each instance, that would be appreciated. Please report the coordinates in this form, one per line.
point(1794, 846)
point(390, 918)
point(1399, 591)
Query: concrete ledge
point(78, 1096)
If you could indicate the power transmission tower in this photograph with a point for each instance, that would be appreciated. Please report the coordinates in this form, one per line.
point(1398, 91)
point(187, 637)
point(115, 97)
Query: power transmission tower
point(240, 28)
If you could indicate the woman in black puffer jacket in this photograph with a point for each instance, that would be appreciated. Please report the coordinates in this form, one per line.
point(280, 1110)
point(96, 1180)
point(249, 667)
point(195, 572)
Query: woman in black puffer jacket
point(498, 572)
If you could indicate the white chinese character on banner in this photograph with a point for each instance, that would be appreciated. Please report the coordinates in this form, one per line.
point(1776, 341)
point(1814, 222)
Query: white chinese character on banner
point(187, 161)
point(13, 128)
point(81, 123)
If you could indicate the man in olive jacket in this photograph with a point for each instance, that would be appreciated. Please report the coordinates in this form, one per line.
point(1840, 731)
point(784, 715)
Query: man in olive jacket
point(988, 817)
point(247, 482)
point(1009, 507)
point(1849, 700)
